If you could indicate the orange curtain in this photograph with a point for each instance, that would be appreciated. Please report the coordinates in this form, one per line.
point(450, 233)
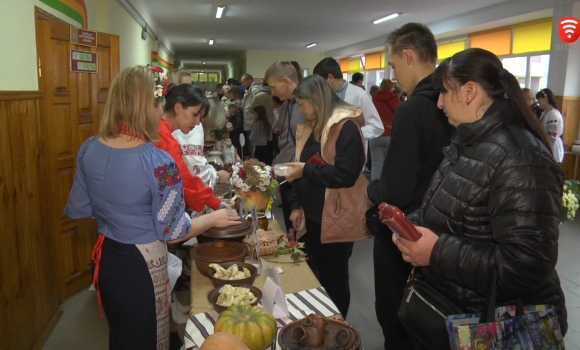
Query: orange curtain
point(344, 65)
point(498, 41)
point(373, 60)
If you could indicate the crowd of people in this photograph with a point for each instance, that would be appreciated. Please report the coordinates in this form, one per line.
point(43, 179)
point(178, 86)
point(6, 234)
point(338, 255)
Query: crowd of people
point(467, 155)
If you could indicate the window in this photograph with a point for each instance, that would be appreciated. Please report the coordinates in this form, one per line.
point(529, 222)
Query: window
point(373, 77)
point(518, 66)
point(539, 67)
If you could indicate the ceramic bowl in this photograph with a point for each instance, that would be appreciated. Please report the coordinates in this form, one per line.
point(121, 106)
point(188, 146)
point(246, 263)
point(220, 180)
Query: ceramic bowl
point(214, 294)
point(217, 282)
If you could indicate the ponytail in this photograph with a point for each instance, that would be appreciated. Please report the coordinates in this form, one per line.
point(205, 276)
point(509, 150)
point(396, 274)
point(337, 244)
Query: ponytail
point(519, 107)
point(486, 69)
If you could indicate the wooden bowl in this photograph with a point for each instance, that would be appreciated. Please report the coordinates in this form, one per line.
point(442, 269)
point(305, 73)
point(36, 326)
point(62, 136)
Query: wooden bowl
point(218, 282)
point(232, 233)
point(218, 252)
point(214, 294)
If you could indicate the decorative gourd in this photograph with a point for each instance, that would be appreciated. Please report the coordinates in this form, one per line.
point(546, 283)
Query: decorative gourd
point(254, 326)
point(223, 340)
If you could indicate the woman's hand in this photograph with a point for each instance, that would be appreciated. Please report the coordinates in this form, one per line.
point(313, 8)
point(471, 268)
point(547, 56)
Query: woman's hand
point(225, 218)
point(223, 176)
point(296, 172)
point(296, 218)
point(417, 253)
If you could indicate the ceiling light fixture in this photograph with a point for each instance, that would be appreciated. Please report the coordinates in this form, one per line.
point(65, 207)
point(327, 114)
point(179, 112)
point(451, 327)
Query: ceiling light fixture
point(220, 11)
point(391, 16)
point(311, 45)
point(211, 41)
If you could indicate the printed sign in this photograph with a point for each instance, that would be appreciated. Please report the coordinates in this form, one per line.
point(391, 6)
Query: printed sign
point(83, 61)
point(83, 37)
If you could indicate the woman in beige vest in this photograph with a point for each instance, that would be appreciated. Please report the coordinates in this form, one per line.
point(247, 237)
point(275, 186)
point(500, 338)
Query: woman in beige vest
point(329, 198)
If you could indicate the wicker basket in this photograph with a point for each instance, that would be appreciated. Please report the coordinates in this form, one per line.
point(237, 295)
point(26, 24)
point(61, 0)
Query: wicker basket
point(268, 243)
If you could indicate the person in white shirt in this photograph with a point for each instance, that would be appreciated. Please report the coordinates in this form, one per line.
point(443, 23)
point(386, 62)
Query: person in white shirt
point(192, 145)
point(552, 121)
point(329, 69)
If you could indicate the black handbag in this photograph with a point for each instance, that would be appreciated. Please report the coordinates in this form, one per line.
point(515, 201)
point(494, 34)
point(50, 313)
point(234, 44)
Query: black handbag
point(423, 311)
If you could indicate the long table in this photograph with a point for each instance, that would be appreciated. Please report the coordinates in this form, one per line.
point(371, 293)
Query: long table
point(296, 278)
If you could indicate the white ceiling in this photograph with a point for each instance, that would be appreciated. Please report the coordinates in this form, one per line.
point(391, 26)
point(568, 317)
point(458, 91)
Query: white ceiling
point(279, 25)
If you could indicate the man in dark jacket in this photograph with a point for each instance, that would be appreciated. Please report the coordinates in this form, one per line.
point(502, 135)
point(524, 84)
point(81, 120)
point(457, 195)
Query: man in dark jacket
point(420, 131)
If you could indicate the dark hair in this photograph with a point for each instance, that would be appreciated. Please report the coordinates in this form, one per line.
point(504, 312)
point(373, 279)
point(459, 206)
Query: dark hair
point(356, 77)
point(231, 81)
point(298, 70)
point(276, 99)
point(232, 105)
point(550, 95)
point(328, 66)
point(417, 37)
point(188, 95)
point(374, 90)
point(263, 116)
point(248, 76)
point(486, 69)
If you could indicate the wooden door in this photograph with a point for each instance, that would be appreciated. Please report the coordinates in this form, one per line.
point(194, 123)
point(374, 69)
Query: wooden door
point(74, 103)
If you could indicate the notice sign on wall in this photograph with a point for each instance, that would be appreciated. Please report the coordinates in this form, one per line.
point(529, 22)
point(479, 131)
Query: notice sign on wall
point(83, 61)
point(83, 37)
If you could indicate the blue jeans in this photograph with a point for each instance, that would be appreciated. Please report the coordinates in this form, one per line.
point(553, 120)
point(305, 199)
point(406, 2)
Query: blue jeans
point(378, 148)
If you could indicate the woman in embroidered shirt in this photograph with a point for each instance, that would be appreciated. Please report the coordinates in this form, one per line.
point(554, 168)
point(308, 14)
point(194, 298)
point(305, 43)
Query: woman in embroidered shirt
point(552, 121)
point(191, 145)
point(134, 190)
point(178, 115)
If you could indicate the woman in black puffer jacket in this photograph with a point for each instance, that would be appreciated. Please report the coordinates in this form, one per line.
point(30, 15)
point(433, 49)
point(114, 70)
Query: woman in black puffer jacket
point(493, 206)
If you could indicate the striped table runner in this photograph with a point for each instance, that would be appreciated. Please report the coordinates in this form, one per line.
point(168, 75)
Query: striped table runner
point(301, 304)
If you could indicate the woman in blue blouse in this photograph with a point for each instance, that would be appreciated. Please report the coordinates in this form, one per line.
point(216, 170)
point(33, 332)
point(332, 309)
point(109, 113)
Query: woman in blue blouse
point(134, 191)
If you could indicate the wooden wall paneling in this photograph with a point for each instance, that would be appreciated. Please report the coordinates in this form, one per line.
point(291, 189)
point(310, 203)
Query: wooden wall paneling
point(571, 113)
point(28, 295)
point(74, 103)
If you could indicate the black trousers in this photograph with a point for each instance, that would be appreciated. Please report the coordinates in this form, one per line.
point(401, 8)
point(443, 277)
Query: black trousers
point(127, 297)
point(285, 191)
point(263, 154)
point(329, 262)
point(391, 273)
point(248, 146)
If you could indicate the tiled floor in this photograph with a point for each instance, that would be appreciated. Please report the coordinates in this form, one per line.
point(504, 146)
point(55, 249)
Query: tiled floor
point(81, 327)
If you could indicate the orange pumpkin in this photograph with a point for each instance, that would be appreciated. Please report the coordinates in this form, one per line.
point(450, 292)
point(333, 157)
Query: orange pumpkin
point(251, 324)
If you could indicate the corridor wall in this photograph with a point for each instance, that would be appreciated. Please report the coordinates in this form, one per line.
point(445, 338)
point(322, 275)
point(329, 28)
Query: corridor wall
point(18, 68)
point(259, 61)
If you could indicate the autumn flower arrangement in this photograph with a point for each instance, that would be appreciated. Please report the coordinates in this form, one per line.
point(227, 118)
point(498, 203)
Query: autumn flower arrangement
point(570, 200)
point(256, 182)
point(160, 82)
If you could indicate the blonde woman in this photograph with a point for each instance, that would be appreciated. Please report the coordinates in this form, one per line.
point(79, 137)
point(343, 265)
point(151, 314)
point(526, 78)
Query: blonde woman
point(135, 192)
point(330, 197)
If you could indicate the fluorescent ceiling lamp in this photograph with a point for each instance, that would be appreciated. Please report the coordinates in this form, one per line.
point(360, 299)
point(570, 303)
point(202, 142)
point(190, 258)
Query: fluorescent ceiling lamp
point(381, 20)
point(211, 41)
point(204, 62)
point(220, 11)
point(311, 45)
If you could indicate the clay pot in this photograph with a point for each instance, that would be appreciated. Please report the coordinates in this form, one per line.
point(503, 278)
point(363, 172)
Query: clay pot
point(218, 251)
point(231, 233)
point(312, 333)
point(263, 221)
point(251, 198)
